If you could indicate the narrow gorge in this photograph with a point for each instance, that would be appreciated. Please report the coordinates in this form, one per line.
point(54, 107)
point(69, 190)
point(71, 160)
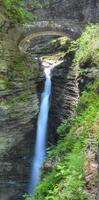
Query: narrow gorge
point(49, 108)
point(40, 144)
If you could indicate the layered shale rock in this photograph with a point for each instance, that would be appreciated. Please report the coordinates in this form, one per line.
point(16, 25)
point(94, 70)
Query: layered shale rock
point(65, 93)
point(21, 79)
point(19, 106)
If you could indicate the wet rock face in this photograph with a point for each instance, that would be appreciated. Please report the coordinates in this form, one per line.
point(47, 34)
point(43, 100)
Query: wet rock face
point(67, 84)
point(79, 10)
point(64, 97)
point(17, 135)
point(65, 90)
point(19, 97)
point(19, 106)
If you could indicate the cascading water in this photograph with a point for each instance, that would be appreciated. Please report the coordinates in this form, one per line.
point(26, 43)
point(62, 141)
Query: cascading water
point(41, 133)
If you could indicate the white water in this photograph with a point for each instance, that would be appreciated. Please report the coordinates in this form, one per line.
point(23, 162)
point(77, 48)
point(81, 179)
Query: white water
point(41, 133)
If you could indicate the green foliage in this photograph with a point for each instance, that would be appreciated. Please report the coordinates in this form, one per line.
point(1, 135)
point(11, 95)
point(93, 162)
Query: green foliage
point(63, 42)
point(23, 68)
point(87, 46)
point(18, 9)
point(66, 179)
point(65, 126)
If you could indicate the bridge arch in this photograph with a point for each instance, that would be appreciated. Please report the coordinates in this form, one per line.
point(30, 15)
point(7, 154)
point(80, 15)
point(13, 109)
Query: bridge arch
point(25, 42)
point(41, 28)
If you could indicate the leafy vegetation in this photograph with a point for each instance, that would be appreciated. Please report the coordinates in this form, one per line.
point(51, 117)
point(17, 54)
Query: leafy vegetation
point(74, 156)
point(19, 10)
point(55, 49)
point(87, 46)
point(66, 179)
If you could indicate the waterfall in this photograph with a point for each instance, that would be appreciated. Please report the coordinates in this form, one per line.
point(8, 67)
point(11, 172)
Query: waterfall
point(40, 145)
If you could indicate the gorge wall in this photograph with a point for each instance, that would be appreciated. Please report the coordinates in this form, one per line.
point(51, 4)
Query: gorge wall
point(65, 93)
point(19, 106)
point(73, 10)
point(19, 103)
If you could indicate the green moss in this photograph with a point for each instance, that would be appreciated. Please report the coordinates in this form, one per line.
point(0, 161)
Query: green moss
point(17, 10)
point(17, 72)
point(63, 41)
point(21, 97)
point(66, 181)
point(54, 56)
point(79, 136)
point(21, 69)
point(62, 44)
point(87, 46)
point(54, 46)
point(3, 82)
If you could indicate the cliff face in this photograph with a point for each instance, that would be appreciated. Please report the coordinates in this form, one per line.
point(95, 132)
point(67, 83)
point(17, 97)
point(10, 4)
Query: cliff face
point(19, 105)
point(76, 10)
point(65, 93)
point(70, 171)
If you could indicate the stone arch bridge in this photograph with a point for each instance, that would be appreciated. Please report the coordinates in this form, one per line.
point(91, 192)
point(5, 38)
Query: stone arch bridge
point(41, 28)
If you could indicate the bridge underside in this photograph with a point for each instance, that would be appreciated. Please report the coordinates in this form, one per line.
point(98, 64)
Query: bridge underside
point(25, 43)
point(41, 28)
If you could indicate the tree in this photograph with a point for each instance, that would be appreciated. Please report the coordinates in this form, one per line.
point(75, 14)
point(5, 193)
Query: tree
point(20, 10)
